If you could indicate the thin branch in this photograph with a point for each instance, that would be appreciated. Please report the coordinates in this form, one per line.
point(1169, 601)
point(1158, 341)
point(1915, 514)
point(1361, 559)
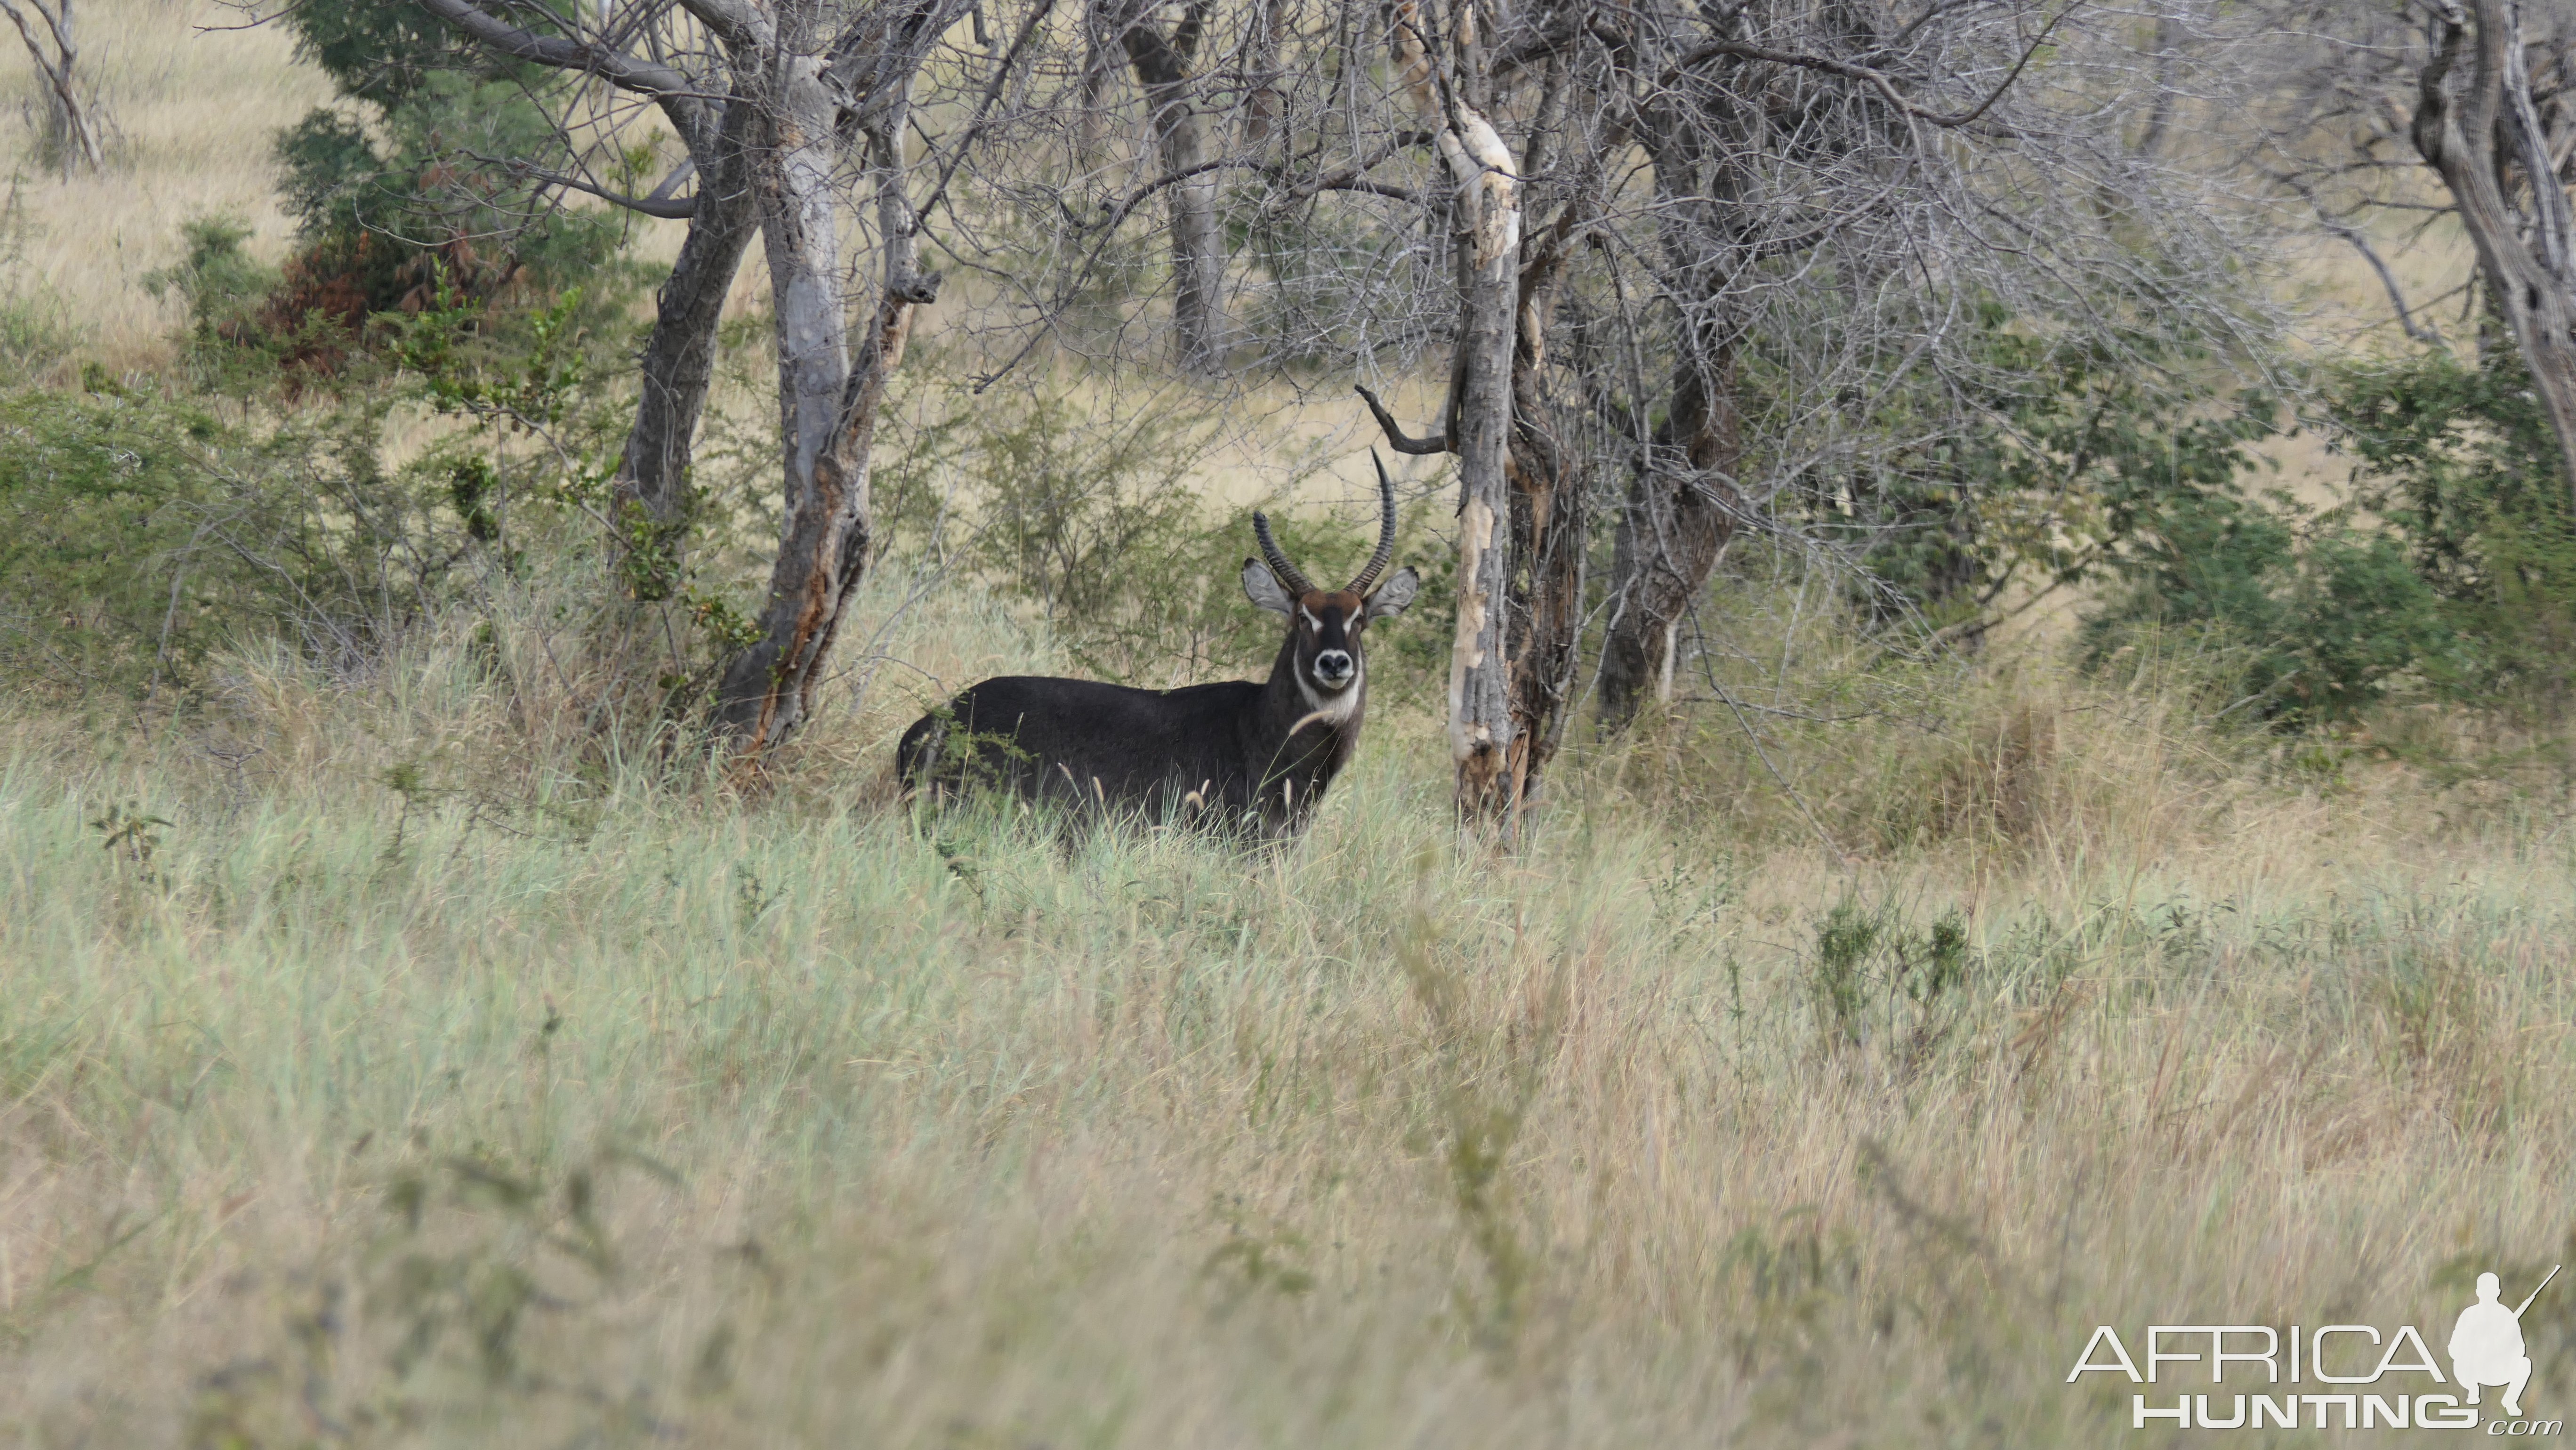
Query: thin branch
point(2345, 230)
point(1354, 176)
point(669, 209)
point(1396, 437)
point(984, 107)
point(1886, 84)
point(680, 96)
point(734, 23)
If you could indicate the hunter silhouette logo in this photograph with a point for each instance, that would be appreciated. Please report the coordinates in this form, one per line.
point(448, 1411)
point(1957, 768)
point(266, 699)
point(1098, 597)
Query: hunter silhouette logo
point(2329, 1377)
point(2486, 1345)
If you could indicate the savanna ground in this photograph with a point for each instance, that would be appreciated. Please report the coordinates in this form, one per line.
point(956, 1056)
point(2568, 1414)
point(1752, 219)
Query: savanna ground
point(388, 1061)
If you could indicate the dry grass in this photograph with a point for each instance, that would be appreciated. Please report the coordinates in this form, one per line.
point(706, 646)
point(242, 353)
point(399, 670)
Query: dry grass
point(416, 1085)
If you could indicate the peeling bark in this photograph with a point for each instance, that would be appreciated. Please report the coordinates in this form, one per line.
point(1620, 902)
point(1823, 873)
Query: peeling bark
point(1489, 225)
point(828, 401)
point(1484, 207)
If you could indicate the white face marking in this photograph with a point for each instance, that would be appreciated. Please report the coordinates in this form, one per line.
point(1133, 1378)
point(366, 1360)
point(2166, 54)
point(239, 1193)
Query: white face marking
point(1313, 624)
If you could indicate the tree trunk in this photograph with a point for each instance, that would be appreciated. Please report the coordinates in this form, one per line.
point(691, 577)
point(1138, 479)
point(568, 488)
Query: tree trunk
point(1677, 517)
point(679, 358)
point(765, 686)
point(1549, 531)
point(1487, 211)
point(1674, 526)
point(2528, 260)
point(1198, 246)
point(1484, 206)
point(828, 403)
point(1261, 108)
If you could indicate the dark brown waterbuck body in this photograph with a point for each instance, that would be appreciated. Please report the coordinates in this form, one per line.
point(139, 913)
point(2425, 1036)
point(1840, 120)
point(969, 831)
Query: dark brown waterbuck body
point(1242, 755)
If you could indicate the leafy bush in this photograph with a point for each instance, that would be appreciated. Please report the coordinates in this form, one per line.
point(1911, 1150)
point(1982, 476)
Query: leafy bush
point(2312, 617)
point(245, 322)
point(375, 215)
point(399, 209)
point(2453, 569)
point(2070, 451)
point(35, 336)
point(2460, 461)
point(138, 534)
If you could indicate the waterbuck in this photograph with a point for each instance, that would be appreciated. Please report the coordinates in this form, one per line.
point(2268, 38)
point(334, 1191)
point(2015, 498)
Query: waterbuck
point(1241, 756)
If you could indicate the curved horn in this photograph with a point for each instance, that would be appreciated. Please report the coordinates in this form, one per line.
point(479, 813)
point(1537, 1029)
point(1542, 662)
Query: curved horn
point(1287, 573)
point(1385, 529)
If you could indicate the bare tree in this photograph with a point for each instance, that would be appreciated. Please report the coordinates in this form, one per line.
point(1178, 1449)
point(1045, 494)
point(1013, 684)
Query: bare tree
point(1680, 262)
point(790, 112)
point(2483, 133)
point(2480, 93)
point(71, 123)
point(1826, 191)
point(1446, 68)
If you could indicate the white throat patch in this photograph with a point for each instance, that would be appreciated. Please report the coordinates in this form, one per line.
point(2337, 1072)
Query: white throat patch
point(1334, 709)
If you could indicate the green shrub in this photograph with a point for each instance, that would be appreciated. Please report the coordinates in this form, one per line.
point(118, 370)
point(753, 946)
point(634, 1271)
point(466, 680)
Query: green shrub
point(400, 160)
point(2461, 463)
point(2311, 617)
point(2453, 572)
point(399, 210)
point(2042, 461)
point(33, 338)
point(377, 203)
point(138, 534)
point(239, 333)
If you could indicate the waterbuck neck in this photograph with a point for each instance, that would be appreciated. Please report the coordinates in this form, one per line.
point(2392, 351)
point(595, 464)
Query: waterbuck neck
point(1298, 735)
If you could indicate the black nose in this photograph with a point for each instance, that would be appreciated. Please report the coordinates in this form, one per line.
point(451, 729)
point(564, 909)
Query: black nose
point(1333, 664)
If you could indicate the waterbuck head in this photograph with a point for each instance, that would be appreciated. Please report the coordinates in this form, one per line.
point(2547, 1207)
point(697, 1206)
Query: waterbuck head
point(1323, 651)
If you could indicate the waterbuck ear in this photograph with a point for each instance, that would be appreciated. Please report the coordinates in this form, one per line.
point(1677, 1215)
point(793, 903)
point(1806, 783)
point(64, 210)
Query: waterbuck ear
point(1263, 589)
point(1394, 594)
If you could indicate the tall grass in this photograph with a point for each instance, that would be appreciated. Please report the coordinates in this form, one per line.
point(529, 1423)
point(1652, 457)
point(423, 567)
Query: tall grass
point(380, 1072)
